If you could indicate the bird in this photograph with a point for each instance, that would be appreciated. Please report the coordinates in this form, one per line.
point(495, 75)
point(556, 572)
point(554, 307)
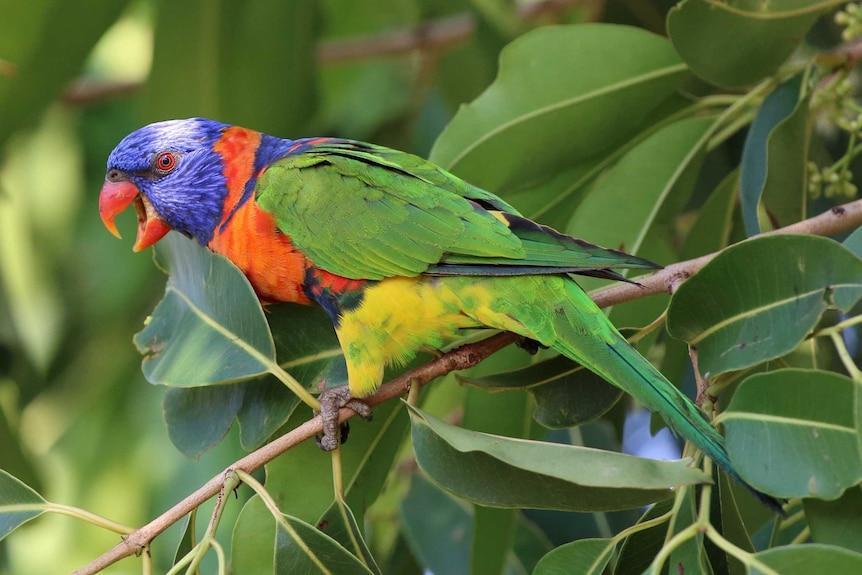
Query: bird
point(401, 254)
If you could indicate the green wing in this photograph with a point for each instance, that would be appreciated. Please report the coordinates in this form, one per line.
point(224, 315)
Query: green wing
point(368, 212)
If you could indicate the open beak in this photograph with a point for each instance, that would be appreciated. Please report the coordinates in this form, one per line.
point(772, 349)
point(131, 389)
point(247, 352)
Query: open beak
point(116, 197)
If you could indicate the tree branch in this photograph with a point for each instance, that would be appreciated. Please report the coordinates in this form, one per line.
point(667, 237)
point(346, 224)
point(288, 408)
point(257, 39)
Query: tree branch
point(438, 36)
point(839, 219)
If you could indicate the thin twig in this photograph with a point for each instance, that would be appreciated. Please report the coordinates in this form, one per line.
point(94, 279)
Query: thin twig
point(839, 219)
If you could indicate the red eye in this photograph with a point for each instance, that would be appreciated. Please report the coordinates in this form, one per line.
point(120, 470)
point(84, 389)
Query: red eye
point(165, 162)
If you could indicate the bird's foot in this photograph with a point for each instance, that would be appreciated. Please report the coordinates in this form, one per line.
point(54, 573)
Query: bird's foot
point(331, 401)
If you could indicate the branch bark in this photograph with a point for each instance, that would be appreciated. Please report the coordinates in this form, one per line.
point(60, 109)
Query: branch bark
point(839, 219)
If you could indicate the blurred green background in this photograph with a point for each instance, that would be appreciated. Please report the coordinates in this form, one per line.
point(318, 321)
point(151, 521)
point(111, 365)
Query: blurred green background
point(77, 420)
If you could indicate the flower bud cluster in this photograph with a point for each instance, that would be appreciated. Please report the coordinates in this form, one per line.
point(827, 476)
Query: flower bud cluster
point(851, 19)
point(830, 182)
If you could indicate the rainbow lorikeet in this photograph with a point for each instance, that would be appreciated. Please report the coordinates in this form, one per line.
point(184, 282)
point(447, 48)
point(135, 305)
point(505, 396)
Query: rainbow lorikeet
point(400, 253)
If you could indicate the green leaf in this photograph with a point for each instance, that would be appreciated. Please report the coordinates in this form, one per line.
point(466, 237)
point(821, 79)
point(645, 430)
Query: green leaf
point(439, 530)
point(662, 169)
point(791, 433)
point(198, 418)
point(854, 242)
point(711, 231)
point(188, 540)
point(521, 127)
point(494, 529)
point(640, 548)
point(304, 549)
point(437, 527)
point(690, 556)
point(209, 328)
point(366, 460)
point(733, 526)
point(582, 557)
point(737, 42)
point(47, 42)
point(273, 42)
point(566, 394)
point(774, 158)
point(18, 504)
point(228, 51)
point(758, 299)
point(837, 522)
point(341, 525)
point(808, 559)
point(502, 472)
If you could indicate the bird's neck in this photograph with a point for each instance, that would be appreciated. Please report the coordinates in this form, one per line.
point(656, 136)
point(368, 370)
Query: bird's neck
point(247, 235)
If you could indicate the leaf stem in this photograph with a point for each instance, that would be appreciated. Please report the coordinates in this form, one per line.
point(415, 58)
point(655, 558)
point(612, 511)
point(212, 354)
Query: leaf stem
point(222, 562)
point(337, 474)
point(744, 557)
point(641, 526)
point(649, 328)
point(267, 499)
point(294, 386)
point(87, 516)
point(187, 558)
point(838, 327)
point(146, 562)
point(231, 482)
point(802, 537)
point(844, 354)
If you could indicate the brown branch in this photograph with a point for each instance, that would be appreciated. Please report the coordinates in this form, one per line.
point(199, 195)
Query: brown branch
point(437, 36)
point(839, 219)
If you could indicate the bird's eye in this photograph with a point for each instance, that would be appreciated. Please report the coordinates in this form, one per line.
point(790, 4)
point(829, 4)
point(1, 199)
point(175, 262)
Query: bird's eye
point(165, 163)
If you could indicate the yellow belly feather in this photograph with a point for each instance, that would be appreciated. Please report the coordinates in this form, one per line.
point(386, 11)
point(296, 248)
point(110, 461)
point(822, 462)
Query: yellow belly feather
point(400, 316)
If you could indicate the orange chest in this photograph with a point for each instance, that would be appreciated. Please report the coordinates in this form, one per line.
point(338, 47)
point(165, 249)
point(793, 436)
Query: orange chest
point(267, 257)
point(247, 235)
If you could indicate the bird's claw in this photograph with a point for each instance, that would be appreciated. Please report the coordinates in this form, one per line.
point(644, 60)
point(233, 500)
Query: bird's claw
point(331, 401)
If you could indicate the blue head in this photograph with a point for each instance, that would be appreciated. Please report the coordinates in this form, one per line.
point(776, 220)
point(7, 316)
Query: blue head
point(172, 174)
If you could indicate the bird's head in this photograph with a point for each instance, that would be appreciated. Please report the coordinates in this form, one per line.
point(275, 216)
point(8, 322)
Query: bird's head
point(174, 177)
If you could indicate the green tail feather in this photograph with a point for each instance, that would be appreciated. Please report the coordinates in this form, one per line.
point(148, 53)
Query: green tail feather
point(579, 330)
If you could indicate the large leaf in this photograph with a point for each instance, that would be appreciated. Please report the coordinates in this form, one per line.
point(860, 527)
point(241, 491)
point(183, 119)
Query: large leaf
point(758, 299)
point(18, 504)
point(655, 175)
point(711, 230)
point(228, 50)
point(589, 97)
point(494, 529)
point(340, 524)
point(366, 460)
point(582, 557)
point(198, 418)
point(639, 549)
point(791, 433)
point(690, 556)
point(737, 42)
point(808, 559)
point(837, 522)
point(501, 472)
point(304, 549)
point(209, 328)
point(439, 529)
point(47, 43)
point(566, 394)
point(774, 158)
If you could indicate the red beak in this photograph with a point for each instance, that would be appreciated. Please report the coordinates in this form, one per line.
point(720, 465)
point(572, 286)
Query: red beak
point(116, 197)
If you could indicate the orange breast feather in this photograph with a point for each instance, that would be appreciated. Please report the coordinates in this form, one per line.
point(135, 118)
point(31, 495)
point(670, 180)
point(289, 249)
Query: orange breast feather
point(251, 240)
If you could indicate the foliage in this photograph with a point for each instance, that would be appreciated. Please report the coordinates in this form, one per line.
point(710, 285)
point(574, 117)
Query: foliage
point(671, 130)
